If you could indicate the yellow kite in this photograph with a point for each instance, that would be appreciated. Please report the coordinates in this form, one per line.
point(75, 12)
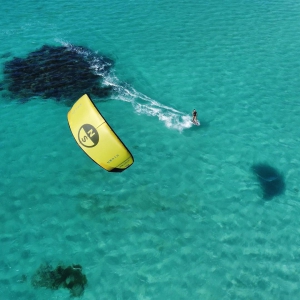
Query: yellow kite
point(96, 138)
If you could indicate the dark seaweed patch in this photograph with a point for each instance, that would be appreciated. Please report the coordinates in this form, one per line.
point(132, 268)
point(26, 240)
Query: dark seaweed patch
point(70, 277)
point(57, 72)
point(270, 179)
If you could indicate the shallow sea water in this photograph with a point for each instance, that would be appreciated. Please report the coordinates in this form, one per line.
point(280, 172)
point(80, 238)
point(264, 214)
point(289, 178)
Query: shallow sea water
point(187, 220)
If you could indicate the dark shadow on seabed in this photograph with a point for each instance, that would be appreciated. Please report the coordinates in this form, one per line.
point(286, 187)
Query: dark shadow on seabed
point(60, 73)
point(70, 277)
point(270, 179)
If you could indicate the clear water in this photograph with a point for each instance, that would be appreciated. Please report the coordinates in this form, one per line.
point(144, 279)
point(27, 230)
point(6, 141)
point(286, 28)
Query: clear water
point(187, 220)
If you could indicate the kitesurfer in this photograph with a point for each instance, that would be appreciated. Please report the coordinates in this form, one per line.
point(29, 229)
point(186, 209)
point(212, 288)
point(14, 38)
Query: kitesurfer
point(194, 114)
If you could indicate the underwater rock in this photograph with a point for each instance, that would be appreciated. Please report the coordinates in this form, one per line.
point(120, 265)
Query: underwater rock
point(270, 179)
point(57, 72)
point(70, 277)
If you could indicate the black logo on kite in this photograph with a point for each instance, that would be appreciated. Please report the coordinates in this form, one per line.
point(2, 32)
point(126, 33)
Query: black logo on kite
point(88, 136)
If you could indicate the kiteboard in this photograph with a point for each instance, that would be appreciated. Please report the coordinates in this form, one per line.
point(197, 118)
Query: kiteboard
point(197, 123)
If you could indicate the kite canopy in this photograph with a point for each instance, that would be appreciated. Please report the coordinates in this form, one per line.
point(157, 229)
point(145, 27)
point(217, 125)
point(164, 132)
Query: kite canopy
point(96, 138)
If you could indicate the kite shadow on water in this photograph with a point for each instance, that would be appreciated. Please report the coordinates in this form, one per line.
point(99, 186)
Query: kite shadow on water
point(271, 180)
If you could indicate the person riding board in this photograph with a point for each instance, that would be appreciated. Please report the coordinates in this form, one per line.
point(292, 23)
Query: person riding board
point(194, 114)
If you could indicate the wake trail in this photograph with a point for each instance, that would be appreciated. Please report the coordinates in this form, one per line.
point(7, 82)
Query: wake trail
point(141, 103)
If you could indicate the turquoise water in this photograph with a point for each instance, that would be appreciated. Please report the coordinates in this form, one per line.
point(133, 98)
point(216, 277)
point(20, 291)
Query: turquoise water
point(187, 220)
